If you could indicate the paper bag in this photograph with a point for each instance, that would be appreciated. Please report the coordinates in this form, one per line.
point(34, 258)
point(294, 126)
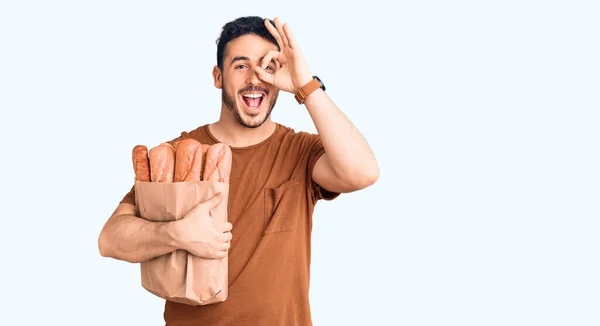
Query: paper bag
point(180, 276)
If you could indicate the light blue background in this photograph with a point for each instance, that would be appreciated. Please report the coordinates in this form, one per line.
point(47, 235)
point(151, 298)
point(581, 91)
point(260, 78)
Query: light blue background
point(484, 117)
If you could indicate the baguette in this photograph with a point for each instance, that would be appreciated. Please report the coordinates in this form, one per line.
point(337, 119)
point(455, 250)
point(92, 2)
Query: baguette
point(205, 148)
point(162, 163)
point(141, 163)
point(188, 160)
point(218, 163)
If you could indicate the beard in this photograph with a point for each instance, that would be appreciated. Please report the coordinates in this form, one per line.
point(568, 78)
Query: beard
point(232, 104)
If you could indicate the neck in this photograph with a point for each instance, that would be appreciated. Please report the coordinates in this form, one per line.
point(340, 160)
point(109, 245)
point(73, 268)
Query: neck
point(228, 131)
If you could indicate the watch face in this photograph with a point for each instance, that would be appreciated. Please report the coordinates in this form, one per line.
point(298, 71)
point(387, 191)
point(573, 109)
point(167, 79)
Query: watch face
point(320, 82)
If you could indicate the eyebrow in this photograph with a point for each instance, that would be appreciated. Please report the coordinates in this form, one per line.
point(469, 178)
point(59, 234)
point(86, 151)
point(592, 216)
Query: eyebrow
point(244, 58)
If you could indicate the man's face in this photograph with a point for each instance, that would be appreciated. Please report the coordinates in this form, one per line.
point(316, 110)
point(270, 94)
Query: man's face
point(247, 97)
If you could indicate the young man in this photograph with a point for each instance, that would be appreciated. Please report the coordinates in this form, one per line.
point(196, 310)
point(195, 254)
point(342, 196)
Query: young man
point(277, 177)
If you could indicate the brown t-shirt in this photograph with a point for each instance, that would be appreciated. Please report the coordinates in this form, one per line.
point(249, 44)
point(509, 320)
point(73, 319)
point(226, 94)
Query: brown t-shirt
point(271, 201)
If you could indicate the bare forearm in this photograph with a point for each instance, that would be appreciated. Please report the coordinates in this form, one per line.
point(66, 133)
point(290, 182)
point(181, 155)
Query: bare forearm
point(349, 153)
point(136, 240)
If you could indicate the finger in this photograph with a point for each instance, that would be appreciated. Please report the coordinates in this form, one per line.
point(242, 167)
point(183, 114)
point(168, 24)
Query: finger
point(265, 76)
point(279, 27)
point(210, 203)
point(290, 37)
point(226, 246)
point(226, 237)
point(226, 227)
point(274, 32)
point(220, 254)
point(272, 55)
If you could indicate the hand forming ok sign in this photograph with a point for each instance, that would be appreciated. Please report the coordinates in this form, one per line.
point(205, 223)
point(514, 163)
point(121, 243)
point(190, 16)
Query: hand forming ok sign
point(292, 70)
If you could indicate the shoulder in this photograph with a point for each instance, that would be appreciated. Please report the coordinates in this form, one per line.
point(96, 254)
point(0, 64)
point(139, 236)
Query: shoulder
point(200, 134)
point(290, 131)
point(305, 147)
point(297, 138)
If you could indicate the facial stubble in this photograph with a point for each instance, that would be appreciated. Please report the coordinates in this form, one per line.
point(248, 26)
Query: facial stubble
point(236, 111)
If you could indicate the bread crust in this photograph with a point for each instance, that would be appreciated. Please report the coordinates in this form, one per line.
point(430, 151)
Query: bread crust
point(188, 160)
point(141, 163)
point(218, 163)
point(162, 163)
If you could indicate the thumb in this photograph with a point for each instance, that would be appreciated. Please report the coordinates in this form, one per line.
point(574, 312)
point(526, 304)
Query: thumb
point(209, 204)
point(212, 202)
point(265, 76)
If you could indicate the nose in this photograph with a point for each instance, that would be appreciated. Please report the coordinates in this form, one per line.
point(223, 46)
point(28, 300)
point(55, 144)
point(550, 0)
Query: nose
point(252, 78)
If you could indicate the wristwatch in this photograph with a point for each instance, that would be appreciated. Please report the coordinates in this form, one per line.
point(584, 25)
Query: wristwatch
point(307, 89)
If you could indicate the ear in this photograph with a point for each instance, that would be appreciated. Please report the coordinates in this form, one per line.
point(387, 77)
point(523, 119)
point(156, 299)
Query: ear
point(217, 76)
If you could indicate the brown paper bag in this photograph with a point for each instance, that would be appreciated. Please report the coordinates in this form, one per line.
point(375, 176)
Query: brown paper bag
point(180, 276)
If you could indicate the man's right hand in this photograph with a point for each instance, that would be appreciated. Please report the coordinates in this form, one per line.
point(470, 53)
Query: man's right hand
point(199, 234)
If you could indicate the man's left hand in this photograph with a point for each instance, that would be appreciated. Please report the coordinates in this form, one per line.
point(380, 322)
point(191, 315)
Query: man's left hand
point(292, 71)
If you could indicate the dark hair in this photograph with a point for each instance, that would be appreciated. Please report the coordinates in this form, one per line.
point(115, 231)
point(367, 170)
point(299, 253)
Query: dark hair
point(239, 27)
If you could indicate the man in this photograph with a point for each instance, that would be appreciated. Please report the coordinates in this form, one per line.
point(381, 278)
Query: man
point(277, 177)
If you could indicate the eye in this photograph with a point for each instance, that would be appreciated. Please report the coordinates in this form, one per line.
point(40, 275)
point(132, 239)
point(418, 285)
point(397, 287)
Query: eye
point(240, 66)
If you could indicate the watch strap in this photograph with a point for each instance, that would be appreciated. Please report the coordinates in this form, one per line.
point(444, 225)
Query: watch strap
point(306, 90)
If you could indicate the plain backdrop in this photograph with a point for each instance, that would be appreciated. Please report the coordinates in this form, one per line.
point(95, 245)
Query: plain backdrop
point(484, 117)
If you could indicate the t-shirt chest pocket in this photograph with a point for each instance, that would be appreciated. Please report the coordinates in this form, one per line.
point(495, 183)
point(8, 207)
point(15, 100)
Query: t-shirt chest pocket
point(282, 207)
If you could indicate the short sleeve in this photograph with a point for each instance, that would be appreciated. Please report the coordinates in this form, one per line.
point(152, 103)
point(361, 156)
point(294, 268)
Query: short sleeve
point(316, 151)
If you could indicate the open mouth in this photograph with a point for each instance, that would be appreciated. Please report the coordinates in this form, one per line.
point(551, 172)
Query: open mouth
point(253, 100)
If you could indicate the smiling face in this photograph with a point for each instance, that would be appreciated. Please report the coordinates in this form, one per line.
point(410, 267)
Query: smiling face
point(245, 96)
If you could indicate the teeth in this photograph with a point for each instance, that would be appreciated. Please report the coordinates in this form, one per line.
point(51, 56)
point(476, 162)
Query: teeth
point(252, 95)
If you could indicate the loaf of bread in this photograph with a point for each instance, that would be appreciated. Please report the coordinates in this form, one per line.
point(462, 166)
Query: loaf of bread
point(217, 165)
point(188, 160)
point(141, 163)
point(205, 148)
point(162, 163)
